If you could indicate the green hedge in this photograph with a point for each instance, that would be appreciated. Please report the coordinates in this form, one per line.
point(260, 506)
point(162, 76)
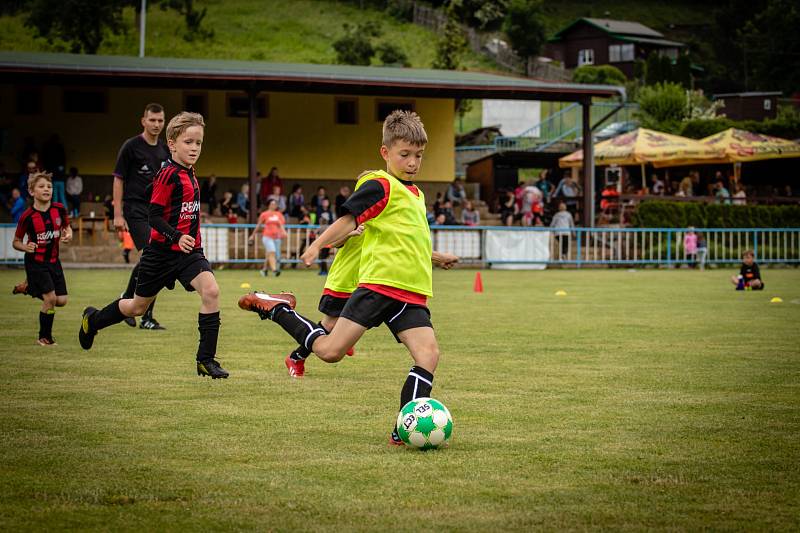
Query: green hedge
point(701, 215)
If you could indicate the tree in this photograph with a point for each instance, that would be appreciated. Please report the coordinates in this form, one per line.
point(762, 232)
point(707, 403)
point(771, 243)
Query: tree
point(599, 75)
point(452, 44)
point(482, 14)
point(391, 54)
point(81, 24)
point(524, 27)
point(355, 47)
point(662, 107)
point(193, 17)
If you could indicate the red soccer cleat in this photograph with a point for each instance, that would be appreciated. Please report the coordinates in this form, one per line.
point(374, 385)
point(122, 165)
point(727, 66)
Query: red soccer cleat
point(351, 352)
point(263, 303)
point(297, 369)
point(20, 288)
point(44, 341)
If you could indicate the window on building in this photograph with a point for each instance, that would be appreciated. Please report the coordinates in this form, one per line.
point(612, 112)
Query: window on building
point(384, 107)
point(346, 111)
point(586, 57)
point(239, 105)
point(84, 100)
point(619, 53)
point(767, 104)
point(671, 53)
point(28, 100)
point(196, 103)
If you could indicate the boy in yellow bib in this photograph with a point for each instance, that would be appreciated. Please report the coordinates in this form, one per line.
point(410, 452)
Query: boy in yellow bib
point(395, 271)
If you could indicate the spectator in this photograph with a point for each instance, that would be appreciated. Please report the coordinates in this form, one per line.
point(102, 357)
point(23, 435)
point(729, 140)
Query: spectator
point(341, 198)
point(437, 204)
point(658, 186)
point(18, 205)
point(469, 215)
point(316, 201)
point(31, 167)
point(271, 181)
point(609, 199)
point(227, 207)
point(569, 190)
point(690, 246)
point(208, 193)
point(279, 198)
point(325, 215)
point(54, 160)
point(563, 223)
point(749, 277)
point(74, 189)
point(296, 202)
point(740, 196)
point(508, 208)
point(544, 185)
point(456, 194)
point(722, 194)
point(243, 201)
point(531, 206)
point(702, 249)
point(446, 211)
point(685, 189)
point(274, 232)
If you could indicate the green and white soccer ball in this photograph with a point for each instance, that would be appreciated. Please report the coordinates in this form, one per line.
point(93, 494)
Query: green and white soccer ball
point(424, 423)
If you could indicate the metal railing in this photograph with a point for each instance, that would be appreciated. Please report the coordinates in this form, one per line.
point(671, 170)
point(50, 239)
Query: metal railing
point(515, 245)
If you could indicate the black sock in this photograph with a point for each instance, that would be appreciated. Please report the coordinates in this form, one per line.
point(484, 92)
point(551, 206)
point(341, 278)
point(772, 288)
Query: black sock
point(419, 384)
point(301, 353)
point(46, 324)
point(304, 331)
point(107, 316)
point(131, 288)
point(208, 326)
point(148, 315)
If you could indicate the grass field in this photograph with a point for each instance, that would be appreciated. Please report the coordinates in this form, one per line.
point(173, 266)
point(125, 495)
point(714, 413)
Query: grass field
point(641, 400)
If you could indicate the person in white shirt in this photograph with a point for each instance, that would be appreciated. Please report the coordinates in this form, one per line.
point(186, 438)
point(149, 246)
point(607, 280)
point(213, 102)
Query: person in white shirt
point(74, 189)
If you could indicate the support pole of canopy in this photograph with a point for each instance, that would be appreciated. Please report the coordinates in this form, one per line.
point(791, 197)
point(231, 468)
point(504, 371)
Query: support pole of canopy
point(251, 154)
point(588, 165)
point(644, 181)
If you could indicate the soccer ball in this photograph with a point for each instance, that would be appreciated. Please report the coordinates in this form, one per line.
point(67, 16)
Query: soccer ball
point(424, 423)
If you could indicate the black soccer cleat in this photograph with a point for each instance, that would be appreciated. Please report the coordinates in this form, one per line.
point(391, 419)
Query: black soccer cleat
point(86, 333)
point(130, 321)
point(150, 323)
point(210, 367)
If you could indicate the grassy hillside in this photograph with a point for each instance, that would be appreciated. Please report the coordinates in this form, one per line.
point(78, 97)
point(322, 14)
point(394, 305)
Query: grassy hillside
point(298, 31)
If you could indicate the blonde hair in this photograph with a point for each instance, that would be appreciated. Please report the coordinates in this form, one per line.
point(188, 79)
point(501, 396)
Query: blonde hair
point(183, 121)
point(749, 253)
point(34, 178)
point(404, 126)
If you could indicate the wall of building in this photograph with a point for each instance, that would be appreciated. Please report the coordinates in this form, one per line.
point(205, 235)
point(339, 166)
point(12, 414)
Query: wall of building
point(299, 135)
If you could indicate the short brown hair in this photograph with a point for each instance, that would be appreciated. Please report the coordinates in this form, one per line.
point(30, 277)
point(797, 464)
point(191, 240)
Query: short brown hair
point(36, 176)
point(750, 253)
point(153, 107)
point(404, 126)
point(181, 122)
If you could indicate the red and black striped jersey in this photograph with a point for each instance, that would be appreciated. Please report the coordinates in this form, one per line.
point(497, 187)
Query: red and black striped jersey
point(174, 206)
point(43, 228)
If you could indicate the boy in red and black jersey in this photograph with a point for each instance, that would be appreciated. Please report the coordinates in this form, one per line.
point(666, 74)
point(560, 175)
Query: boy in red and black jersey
point(749, 277)
point(45, 224)
point(174, 252)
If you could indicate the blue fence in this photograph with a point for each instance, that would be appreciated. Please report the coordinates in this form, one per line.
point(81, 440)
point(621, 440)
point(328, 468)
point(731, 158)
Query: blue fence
point(509, 247)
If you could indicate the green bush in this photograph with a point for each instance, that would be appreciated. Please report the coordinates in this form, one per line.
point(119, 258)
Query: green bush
point(599, 75)
point(683, 214)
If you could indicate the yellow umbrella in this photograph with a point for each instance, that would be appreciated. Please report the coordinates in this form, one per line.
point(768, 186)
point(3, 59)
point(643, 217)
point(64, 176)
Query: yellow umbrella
point(741, 145)
point(642, 146)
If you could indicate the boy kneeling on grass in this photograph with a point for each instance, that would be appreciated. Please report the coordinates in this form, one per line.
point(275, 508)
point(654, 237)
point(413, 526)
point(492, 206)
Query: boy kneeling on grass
point(174, 252)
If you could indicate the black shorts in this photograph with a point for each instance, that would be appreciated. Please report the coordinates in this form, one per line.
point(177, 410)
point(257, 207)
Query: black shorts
point(160, 268)
point(44, 278)
point(137, 218)
point(332, 305)
point(369, 309)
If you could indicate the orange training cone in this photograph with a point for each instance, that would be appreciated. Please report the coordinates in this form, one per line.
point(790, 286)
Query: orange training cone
point(478, 287)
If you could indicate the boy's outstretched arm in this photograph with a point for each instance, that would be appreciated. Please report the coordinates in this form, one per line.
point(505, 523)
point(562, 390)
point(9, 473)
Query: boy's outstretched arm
point(443, 259)
point(335, 233)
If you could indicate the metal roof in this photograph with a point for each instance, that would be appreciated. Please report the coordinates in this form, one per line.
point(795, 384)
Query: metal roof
point(624, 26)
point(44, 68)
point(748, 95)
point(647, 40)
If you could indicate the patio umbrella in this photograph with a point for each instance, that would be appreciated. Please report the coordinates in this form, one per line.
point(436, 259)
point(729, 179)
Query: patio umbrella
point(642, 146)
point(741, 145)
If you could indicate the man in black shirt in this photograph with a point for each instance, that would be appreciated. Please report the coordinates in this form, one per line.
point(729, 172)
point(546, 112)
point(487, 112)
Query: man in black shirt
point(749, 277)
point(139, 160)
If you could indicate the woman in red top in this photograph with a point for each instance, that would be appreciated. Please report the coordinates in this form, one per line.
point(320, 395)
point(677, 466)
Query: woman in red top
point(274, 231)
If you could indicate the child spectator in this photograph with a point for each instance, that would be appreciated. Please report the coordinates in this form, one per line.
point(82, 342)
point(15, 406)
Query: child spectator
point(749, 277)
point(174, 252)
point(227, 207)
point(702, 250)
point(690, 246)
point(274, 232)
point(296, 202)
point(74, 189)
point(45, 224)
point(243, 201)
point(126, 241)
point(508, 208)
point(456, 194)
point(469, 215)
